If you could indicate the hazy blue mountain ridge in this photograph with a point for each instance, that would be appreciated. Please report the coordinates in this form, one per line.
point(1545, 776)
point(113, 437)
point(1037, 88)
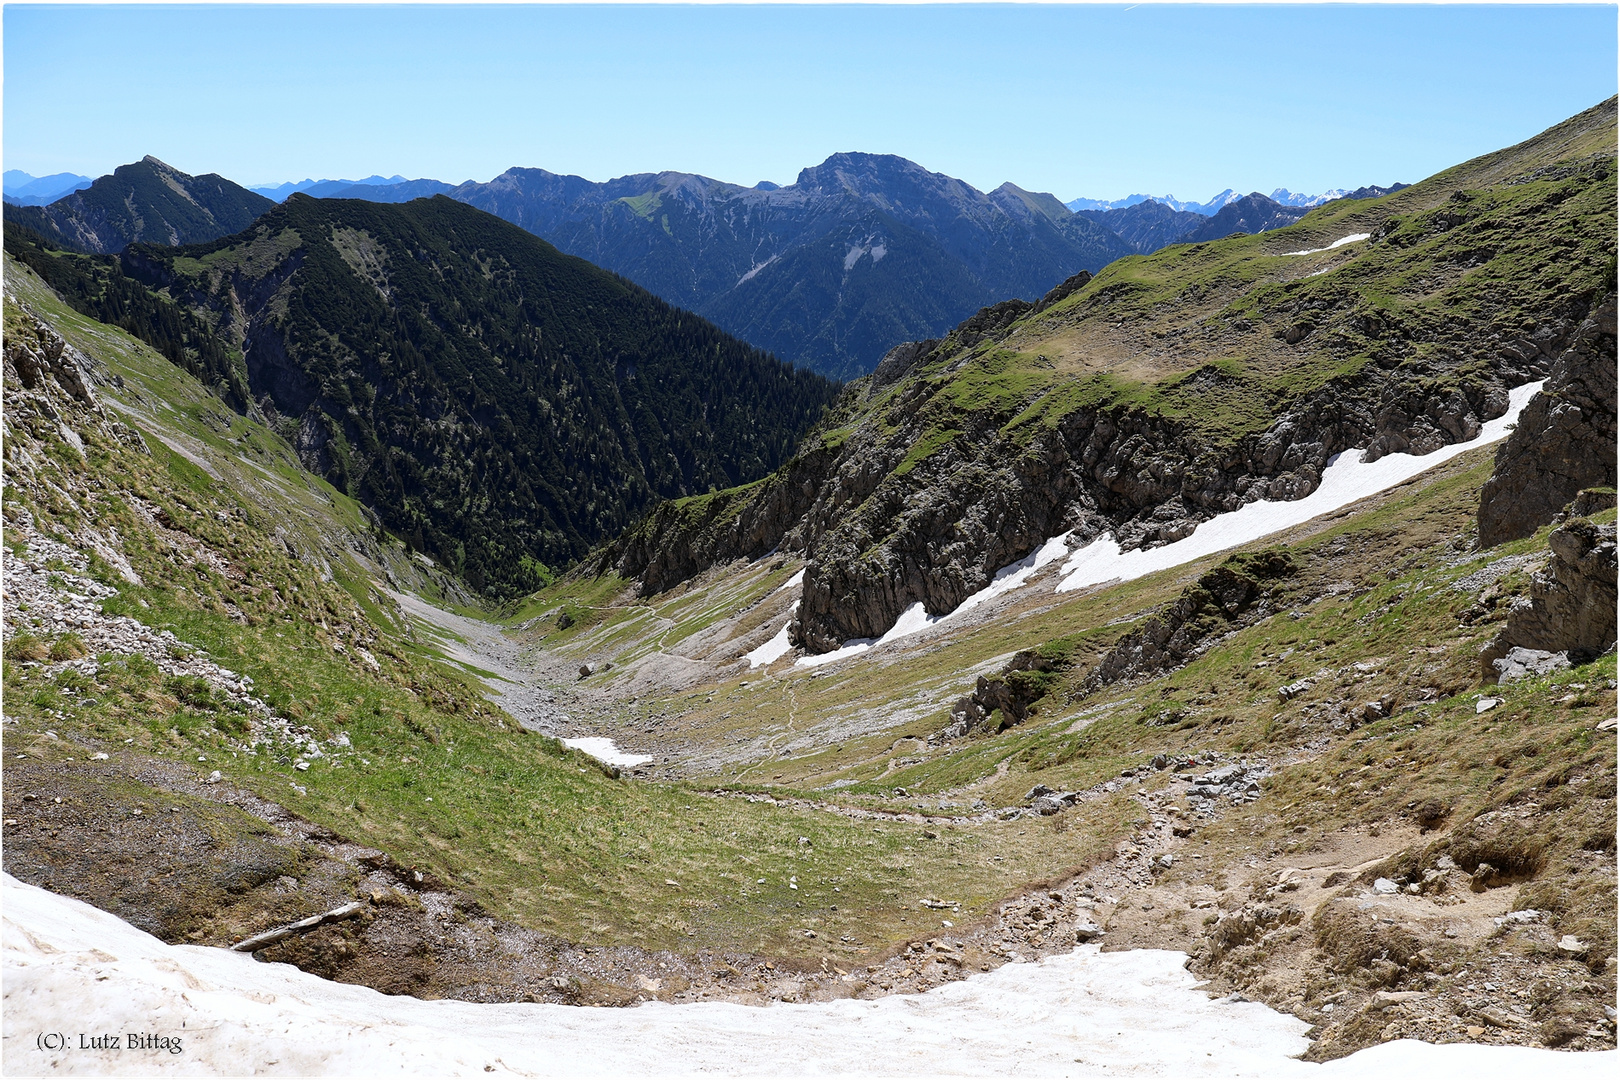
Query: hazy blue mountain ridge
point(22, 189)
point(326, 188)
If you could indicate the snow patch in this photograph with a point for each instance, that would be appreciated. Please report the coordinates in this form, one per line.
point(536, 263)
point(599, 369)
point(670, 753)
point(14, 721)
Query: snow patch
point(1340, 242)
point(911, 620)
point(1133, 1013)
point(1011, 577)
point(1346, 479)
point(916, 618)
point(776, 648)
point(757, 269)
point(605, 751)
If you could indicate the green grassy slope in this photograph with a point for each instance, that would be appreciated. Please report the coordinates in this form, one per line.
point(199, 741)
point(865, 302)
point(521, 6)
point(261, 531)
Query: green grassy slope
point(440, 780)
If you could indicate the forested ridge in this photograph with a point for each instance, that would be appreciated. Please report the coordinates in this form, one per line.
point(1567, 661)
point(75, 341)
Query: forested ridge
point(501, 406)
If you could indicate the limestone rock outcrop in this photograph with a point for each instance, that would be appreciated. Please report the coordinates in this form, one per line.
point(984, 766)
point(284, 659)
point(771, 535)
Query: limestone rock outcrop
point(1565, 439)
point(1571, 606)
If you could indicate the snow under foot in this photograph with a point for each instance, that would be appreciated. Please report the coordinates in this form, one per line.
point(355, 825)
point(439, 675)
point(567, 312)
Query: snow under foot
point(70, 969)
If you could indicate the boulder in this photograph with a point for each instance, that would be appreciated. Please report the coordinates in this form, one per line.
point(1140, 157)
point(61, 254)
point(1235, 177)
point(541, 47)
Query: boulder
point(1520, 663)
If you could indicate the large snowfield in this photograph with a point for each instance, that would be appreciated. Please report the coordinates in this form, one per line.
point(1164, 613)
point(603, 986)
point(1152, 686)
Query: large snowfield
point(73, 973)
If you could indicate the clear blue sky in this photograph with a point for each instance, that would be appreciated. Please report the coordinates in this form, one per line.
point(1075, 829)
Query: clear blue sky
point(1098, 101)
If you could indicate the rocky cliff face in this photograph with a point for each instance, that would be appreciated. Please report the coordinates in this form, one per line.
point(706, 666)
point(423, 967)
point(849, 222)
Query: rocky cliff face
point(50, 395)
point(1565, 440)
point(882, 537)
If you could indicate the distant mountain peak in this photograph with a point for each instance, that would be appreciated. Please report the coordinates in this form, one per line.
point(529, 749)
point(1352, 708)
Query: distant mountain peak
point(146, 201)
point(1040, 202)
point(24, 189)
point(1205, 208)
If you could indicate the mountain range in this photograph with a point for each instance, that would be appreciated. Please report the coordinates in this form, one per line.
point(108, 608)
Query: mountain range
point(1164, 390)
point(22, 189)
point(378, 188)
point(1204, 208)
point(824, 272)
point(860, 253)
point(1151, 672)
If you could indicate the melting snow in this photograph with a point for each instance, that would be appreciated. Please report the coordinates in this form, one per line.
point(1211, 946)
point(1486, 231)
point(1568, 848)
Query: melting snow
point(774, 649)
point(604, 750)
point(1340, 242)
point(916, 617)
point(1087, 1013)
point(1011, 577)
point(1346, 479)
point(911, 620)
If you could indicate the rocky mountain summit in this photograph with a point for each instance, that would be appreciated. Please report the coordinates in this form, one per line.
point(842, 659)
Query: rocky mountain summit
point(144, 202)
point(826, 272)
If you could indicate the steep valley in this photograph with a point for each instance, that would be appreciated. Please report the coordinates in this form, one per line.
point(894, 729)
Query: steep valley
point(1361, 768)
